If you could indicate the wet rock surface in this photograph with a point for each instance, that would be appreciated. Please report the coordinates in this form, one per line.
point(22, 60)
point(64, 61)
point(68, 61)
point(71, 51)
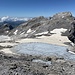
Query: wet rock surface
point(23, 65)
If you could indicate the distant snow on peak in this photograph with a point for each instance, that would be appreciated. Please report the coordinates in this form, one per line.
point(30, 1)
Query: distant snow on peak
point(4, 18)
point(7, 18)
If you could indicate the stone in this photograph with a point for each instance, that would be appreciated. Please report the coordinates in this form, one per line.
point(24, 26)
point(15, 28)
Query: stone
point(71, 35)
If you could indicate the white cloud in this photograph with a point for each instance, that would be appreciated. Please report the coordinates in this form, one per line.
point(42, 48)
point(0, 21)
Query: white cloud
point(7, 18)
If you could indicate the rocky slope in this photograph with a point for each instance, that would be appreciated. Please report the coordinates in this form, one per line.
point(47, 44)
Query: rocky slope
point(24, 65)
point(43, 26)
point(8, 23)
point(5, 29)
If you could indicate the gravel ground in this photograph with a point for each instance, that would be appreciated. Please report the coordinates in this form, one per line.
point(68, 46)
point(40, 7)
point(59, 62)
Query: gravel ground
point(24, 65)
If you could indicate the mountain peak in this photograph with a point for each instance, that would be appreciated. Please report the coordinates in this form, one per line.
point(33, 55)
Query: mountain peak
point(62, 15)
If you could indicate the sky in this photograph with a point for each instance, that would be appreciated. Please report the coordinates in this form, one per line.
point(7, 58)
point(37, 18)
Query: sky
point(34, 8)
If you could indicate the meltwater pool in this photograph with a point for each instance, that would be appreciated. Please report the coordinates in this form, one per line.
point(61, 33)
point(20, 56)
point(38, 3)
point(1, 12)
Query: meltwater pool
point(44, 49)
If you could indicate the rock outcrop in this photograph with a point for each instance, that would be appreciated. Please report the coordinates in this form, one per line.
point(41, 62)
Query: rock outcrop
point(62, 15)
point(71, 35)
point(5, 29)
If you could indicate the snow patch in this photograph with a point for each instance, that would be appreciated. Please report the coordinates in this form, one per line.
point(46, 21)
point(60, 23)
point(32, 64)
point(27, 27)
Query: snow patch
point(7, 31)
point(29, 31)
point(58, 31)
point(26, 35)
point(22, 33)
point(4, 38)
point(15, 32)
point(42, 33)
point(72, 44)
point(41, 61)
point(63, 16)
point(71, 52)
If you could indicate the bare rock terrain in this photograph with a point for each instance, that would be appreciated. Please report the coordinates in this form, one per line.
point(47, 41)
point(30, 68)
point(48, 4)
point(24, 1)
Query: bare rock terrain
point(24, 65)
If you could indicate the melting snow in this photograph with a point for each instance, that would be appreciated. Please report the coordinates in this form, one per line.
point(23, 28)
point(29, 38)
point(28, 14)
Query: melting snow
point(42, 33)
point(4, 38)
point(59, 31)
point(43, 49)
point(29, 31)
point(15, 32)
point(41, 61)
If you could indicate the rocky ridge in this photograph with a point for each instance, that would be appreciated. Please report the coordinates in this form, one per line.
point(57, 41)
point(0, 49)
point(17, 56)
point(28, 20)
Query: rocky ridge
point(42, 26)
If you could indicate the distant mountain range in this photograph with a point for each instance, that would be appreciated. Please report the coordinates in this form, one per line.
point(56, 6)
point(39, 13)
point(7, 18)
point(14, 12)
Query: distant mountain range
point(13, 21)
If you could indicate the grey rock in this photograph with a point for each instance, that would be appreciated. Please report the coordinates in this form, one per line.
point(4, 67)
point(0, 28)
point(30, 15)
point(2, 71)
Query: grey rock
point(41, 24)
point(71, 35)
point(19, 65)
point(62, 15)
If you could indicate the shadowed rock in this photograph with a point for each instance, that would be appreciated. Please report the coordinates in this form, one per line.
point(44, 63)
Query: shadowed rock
point(71, 35)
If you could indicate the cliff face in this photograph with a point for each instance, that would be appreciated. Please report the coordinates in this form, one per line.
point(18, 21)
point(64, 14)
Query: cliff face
point(71, 34)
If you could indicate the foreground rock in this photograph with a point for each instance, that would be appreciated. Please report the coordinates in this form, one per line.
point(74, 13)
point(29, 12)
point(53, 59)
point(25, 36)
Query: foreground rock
point(23, 65)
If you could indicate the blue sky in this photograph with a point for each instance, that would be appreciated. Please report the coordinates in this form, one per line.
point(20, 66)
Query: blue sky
point(34, 8)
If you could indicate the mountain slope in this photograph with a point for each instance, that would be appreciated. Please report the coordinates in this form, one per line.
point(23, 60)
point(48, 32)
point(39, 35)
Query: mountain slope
point(43, 26)
point(8, 23)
